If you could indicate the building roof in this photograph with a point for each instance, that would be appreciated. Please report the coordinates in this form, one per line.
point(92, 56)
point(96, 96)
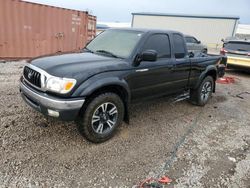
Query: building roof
point(188, 15)
point(146, 30)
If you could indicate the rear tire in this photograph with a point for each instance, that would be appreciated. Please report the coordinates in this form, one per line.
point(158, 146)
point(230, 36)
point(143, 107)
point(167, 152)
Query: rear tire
point(101, 117)
point(203, 93)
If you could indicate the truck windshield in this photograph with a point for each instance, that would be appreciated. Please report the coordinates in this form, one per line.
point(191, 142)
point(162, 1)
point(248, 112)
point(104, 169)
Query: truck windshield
point(238, 46)
point(115, 43)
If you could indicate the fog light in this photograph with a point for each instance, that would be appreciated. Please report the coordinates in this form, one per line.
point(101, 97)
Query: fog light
point(53, 113)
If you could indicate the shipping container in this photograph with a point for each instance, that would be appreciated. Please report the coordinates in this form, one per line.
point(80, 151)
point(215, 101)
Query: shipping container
point(28, 29)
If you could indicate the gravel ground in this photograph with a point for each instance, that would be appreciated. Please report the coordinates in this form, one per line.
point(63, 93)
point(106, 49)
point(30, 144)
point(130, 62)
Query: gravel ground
point(195, 146)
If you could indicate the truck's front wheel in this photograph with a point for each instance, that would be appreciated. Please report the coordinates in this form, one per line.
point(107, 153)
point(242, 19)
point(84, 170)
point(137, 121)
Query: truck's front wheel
point(101, 117)
point(203, 93)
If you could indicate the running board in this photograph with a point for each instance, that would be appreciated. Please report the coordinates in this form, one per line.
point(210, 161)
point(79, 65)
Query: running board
point(181, 97)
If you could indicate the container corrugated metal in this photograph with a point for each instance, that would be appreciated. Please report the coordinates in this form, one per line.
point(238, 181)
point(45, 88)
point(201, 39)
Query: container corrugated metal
point(29, 29)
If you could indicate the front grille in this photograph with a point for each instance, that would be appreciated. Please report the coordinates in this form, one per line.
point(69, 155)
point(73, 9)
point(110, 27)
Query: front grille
point(32, 76)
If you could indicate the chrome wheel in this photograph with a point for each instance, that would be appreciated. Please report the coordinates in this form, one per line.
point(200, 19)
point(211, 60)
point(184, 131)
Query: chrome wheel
point(206, 91)
point(104, 118)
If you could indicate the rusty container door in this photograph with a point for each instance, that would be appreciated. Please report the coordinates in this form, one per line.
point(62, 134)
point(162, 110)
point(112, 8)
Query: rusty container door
point(91, 27)
point(29, 30)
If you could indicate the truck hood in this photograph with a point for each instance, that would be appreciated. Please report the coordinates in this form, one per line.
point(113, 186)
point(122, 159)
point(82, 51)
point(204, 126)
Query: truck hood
point(79, 65)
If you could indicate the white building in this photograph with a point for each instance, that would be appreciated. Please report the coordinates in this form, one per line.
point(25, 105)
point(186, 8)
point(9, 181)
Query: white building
point(209, 29)
point(243, 31)
point(102, 26)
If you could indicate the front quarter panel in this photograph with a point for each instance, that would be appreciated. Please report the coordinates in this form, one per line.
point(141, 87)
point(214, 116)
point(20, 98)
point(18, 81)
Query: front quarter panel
point(102, 80)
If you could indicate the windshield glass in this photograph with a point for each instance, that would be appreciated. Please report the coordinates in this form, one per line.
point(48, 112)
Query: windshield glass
point(238, 46)
point(118, 43)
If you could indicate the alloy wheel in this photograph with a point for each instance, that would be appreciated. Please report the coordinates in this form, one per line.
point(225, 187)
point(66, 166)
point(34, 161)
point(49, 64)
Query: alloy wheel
point(104, 118)
point(206, 91)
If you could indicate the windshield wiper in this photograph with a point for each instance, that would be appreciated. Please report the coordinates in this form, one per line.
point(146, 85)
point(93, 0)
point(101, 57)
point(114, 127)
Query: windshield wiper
point(107, 52)
point(87, 50)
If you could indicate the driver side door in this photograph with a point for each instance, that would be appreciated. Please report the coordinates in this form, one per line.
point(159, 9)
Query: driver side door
point(152, 79)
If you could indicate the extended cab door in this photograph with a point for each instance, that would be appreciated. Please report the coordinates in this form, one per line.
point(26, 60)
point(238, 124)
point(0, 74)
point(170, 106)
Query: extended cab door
point(151, 79)
point(181, 71)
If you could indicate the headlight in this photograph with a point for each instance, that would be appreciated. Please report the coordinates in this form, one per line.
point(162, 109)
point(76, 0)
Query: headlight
point(60, 85)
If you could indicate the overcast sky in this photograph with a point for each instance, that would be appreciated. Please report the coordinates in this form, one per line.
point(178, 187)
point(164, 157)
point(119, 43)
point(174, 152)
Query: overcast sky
point(120, 10)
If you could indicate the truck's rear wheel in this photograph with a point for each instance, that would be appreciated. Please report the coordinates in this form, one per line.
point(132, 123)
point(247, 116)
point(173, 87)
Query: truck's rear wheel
point(203, 93)
point(101, 117)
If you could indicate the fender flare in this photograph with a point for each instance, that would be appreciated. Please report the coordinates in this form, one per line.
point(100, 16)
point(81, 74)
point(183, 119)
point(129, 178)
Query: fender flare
point(204, 73)
point(92, 86)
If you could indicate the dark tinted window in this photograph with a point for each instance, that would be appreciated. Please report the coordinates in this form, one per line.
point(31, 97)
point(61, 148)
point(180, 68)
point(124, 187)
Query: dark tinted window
point(160, 43)
point(191, 40)
point(179, 46)
point(238, 46)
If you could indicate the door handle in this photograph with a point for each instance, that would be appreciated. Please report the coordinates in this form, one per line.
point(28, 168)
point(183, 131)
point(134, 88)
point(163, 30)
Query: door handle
point(171, 67)
point(141, 70)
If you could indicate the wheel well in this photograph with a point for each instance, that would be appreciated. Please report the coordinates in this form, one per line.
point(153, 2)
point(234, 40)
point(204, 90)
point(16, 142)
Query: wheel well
point(119, 90)
point(212, 73)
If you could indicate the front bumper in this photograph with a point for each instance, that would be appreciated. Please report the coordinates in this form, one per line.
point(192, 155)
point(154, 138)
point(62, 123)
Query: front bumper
point(64, 109)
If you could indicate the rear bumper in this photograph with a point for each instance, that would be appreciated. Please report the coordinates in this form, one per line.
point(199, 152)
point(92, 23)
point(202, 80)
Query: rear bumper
point(238, 62)
point(221, 70)
point(64, 109)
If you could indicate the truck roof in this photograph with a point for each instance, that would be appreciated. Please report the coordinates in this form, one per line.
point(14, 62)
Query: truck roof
point(188, 36)
point(145, 30)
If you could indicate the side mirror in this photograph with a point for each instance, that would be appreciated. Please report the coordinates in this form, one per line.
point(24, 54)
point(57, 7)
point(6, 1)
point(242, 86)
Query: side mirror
point(149, 55)
point(190, 54)
point(222, 40)
point(199, 42)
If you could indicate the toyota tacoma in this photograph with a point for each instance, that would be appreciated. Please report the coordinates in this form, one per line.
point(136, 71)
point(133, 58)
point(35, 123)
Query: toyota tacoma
point(96, 85)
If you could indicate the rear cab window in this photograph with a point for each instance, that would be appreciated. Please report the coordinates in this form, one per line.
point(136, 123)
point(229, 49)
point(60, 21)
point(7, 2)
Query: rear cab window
point(179, 46)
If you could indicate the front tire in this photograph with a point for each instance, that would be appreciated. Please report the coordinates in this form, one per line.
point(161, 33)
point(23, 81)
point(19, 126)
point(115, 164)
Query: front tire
point(203, 93)
point(103, 114)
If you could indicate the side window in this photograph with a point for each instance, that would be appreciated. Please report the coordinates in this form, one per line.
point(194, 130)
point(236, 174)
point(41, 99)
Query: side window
point(191, 40)
point(195, 40)
point(188, 39)
point(160, 43)
point(179, 46)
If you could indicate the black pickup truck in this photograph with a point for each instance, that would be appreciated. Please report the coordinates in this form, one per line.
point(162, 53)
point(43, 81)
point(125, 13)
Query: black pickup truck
point(95, 86)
